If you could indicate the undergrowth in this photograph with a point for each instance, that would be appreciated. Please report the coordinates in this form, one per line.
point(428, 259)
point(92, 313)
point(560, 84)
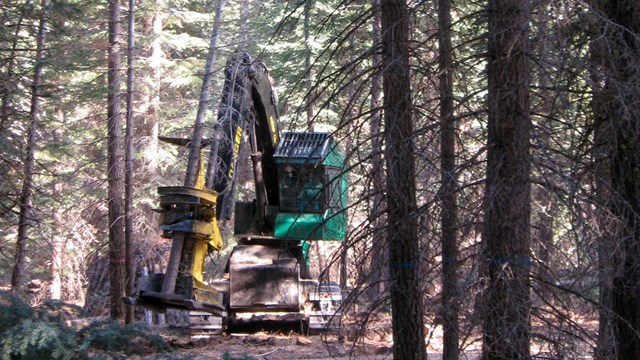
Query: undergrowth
point(41, 333)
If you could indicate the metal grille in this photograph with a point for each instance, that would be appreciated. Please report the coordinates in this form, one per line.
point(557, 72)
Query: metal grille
point(303, 145)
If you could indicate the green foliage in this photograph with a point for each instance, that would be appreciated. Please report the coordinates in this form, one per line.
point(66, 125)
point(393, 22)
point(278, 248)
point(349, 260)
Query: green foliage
point(109, 335)
point(41, 333)
point(28, 333)
point(12, 311)
point(38, 339)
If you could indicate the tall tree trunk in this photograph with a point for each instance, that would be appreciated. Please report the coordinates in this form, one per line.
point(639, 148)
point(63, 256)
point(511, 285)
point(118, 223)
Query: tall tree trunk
point(128, 176)
point(308, 81)
point(177, 247)
point(27, 183)
point(243, 26)
point(606, 225)
point(153, 112)
point(58, 216)
point(215, 135)
point(602, 174)
point(115, 183)
point(402, 228)
point(379, 272)
point(622, 32)
point(55, 288)
point(544, 203)
point(448, 185)
point(507, 189)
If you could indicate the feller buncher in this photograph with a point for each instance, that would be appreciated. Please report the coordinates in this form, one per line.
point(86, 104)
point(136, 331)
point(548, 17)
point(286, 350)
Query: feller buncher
point(301, 197)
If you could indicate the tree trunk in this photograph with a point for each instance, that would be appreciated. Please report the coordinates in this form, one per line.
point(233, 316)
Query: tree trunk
point(177, 247)
point(507, 189)
point(379, 272)
point(243, 26)
point(448, 186)
point(544, 203)
point(128, 179)
point(602, 174)
point(402, 230)
point(57, 243)
point(606, 225)
point(215, 135)
point(308, 81)
point(25, 215)
point(153, 112)
point(115, 183)
point(622, 32)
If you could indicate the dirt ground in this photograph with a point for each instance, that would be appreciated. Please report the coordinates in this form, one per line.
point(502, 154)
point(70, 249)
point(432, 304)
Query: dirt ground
point(266, 346)
point(375, 345)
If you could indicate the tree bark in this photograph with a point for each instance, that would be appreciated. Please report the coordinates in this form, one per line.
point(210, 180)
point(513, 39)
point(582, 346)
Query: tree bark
point(621, 29)
point(128, 176)
point(379, 272)
point(243, 26)
point(308, 81)
point(448, 186)
point(602, 174)
point(25, 215)
point(115, 183)
point(153, 111)
point(402, 231)
point(505, 236)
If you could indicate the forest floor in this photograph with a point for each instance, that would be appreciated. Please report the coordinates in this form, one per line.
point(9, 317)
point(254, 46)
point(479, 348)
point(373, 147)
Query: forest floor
point(269, 346)
point(375, 344)
point(555, 333)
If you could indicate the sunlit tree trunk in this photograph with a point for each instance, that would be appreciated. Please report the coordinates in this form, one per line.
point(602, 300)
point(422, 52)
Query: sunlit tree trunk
point(156, 67)
point(307, 64)
point(379, 271)
point(115, 173)
point(402, 223)
point(243, 26)
point(57, 239)
point(128, 191)
point(57, 247)
point(25, 215)
point(506, 237)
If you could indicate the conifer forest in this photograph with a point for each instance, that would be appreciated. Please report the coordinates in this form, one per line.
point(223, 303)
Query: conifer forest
point(490, 180)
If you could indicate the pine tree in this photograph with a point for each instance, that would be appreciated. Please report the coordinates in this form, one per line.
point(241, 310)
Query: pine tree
point(114, 171)
point(402, 227)
point(505, 236)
